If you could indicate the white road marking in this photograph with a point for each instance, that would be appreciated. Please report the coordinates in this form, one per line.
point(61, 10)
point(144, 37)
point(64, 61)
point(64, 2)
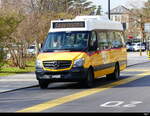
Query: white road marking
point(112, 104)
point(133, 104)
point(120, 104)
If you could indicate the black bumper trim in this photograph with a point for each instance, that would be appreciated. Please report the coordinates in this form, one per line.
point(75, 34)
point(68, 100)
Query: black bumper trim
point(73, 75)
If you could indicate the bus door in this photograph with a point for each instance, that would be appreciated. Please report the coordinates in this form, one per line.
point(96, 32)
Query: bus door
point(94, 54)
point(112, 41)
point(117, 50)
point(104, 62)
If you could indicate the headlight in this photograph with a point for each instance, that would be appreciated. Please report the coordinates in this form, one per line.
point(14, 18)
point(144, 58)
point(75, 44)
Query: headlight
point(79, 62)
point(39, 64)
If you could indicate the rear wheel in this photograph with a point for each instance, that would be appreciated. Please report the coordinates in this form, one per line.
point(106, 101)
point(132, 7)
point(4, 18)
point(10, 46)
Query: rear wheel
point(43, 84)
point(115, 75)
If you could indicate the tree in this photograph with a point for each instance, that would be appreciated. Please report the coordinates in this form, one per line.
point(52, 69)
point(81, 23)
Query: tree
point(81, 7)
point(54, 9)
point(28, 21)
point(2, 55)
point(42, 12)
point(98, 12)
point(9, 22)
point(138, 17)
point(146, 11)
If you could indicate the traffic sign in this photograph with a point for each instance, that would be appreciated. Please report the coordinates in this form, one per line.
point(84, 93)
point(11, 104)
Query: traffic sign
point(147, 27)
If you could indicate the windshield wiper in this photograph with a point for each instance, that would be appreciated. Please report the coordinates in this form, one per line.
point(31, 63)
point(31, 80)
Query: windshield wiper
point(63, 50)
point(85, 49)
point(48, 50)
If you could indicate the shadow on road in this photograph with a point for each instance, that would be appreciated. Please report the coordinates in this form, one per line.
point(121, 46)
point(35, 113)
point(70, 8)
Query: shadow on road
point(76, 85)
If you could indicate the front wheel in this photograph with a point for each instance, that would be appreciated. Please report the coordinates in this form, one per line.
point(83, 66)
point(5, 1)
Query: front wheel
point(89, 82)
point(43, 84)
point(115, 75)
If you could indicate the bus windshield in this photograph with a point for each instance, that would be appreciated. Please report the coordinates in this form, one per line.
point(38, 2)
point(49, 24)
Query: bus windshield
point(72, 41)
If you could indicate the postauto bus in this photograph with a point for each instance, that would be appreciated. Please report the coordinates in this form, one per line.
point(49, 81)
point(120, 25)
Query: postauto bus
point(82, 50)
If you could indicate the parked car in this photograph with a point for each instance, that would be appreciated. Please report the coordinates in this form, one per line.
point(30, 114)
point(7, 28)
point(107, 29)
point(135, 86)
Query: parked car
point(128, 46)
point(137, 46)
point(31, 50)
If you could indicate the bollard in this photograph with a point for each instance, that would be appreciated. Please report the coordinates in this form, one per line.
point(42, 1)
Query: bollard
point(140, 52)
point(148, 54)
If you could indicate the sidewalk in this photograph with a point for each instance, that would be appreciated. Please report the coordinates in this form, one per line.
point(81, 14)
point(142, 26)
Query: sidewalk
point(9, 83)
point(135, 58)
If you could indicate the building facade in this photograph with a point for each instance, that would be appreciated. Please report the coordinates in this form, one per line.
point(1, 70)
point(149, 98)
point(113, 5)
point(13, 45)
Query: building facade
point(121, 14)
point(124, 15)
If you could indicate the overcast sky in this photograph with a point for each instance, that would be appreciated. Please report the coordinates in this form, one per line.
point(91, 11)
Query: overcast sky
point(115, 3)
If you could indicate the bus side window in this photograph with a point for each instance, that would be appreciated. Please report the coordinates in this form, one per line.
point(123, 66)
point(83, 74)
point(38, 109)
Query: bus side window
point(103, 41)
point(93, 41)
point(118, 43)
point(111, 39)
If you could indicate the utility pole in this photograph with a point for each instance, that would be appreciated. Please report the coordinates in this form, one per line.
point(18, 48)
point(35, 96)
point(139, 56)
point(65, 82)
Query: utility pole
point(142, 33)
point(109, 9)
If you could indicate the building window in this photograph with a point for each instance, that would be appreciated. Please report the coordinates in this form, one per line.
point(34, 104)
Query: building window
point(119, 18)
point(115, 18)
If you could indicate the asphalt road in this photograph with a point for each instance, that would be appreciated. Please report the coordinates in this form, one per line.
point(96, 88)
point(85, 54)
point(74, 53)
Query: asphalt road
point(129, 94)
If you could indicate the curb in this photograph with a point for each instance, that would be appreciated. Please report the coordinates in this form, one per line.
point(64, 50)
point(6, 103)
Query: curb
point(138, 64)
point(19, 89)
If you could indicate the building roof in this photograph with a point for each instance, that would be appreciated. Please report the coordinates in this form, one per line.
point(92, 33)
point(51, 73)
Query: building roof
point(119, 10)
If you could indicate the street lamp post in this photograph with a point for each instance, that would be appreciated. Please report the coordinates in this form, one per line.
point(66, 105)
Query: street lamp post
point(109, 9)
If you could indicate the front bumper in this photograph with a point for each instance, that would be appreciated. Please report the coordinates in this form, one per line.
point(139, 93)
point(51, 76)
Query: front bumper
point(73, 75)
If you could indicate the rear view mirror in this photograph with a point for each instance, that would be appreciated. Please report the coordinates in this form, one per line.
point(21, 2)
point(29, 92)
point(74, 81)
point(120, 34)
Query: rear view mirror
point(41, 45)
point(93, 48)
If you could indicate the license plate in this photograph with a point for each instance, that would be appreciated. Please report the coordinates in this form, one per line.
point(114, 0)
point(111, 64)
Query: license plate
point(46, 77)
point(56, 76)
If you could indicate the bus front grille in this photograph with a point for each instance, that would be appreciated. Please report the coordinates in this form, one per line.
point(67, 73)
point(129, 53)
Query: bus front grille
point(59, 64)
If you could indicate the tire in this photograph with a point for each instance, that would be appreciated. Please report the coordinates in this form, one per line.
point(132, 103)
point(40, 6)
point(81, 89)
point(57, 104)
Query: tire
point(89, 82)
point(43, 84)
point(115, 75)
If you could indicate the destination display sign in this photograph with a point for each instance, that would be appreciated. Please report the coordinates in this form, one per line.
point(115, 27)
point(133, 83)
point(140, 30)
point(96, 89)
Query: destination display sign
point(69, 24)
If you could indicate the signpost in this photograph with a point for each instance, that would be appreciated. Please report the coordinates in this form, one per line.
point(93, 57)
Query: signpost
point(147, 30)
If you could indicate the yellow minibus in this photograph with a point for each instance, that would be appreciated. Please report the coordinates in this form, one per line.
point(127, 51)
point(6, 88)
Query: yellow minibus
point(82, 50)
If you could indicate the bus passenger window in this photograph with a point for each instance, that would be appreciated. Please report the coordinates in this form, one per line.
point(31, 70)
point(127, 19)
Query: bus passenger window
point(118, 43)
point(111, 39)
point(122, 37)
point(102, 41)
point(93, 41)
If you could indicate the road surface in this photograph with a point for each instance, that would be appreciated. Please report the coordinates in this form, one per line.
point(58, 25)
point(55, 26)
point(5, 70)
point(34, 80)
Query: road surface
point(129, 94)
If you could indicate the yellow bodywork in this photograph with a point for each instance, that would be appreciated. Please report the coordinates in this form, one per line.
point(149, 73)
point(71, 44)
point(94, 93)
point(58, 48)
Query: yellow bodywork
point(93, 59)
